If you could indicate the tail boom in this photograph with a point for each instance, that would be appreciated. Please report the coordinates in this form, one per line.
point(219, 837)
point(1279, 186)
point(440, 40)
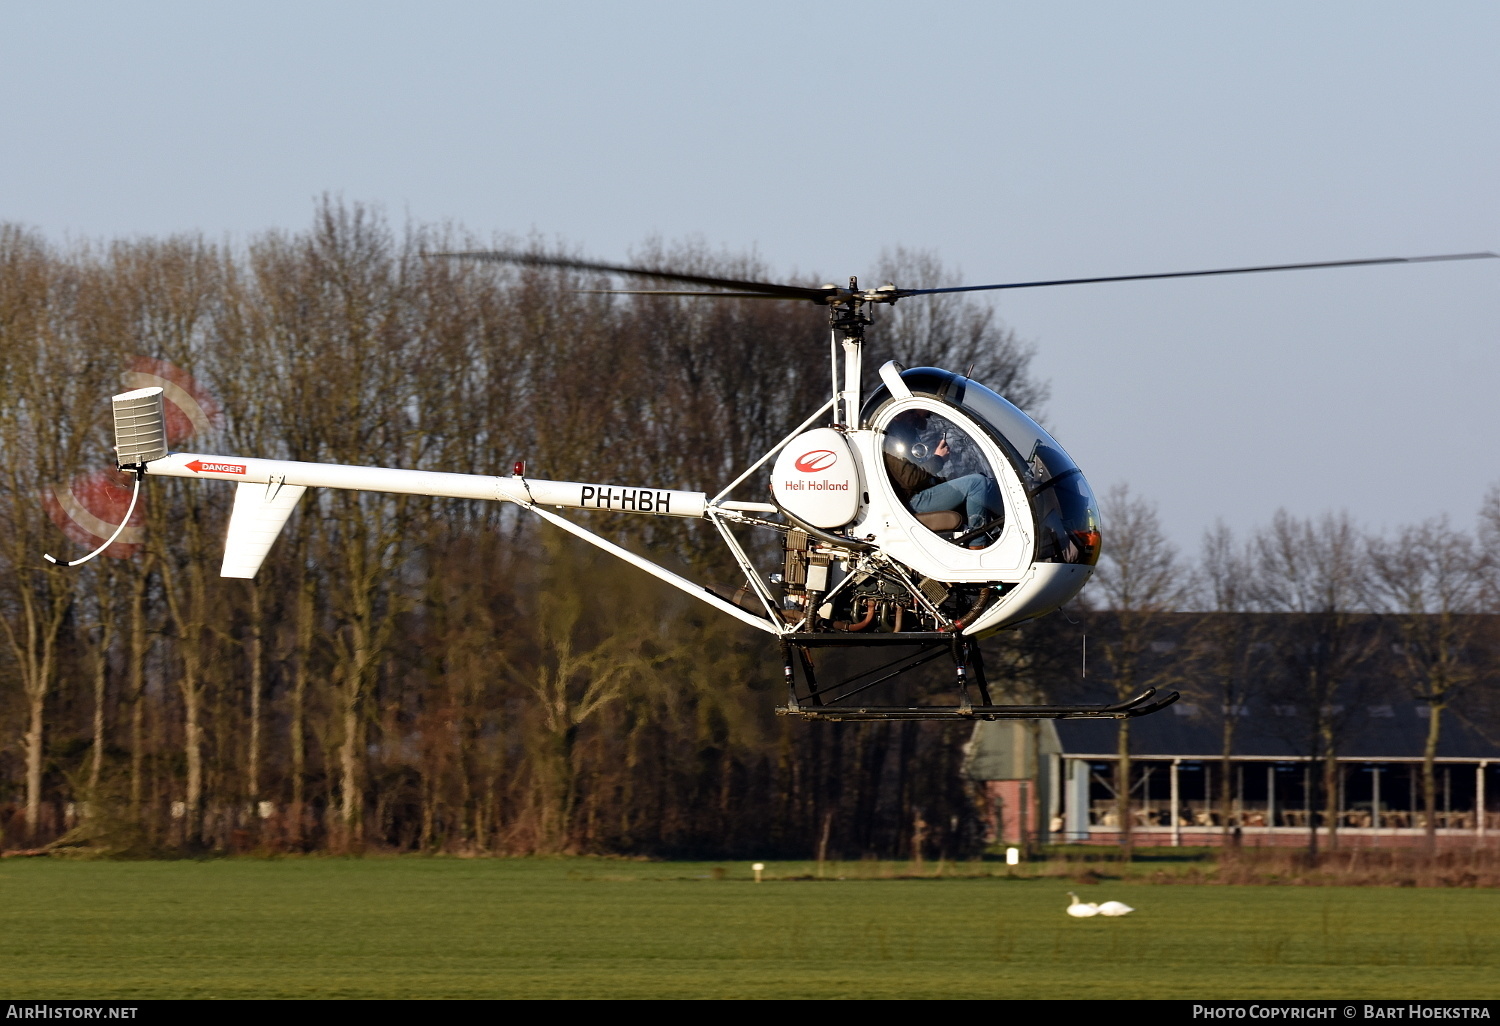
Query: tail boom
point(526, 491)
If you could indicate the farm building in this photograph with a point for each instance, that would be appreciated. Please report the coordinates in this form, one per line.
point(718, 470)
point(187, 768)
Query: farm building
point(1054, 780)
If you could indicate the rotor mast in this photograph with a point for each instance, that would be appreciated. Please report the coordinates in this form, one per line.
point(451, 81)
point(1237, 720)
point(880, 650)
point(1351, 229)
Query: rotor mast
point(847, 320)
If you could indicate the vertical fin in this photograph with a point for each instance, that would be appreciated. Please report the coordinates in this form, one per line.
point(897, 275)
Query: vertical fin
point(259, 512)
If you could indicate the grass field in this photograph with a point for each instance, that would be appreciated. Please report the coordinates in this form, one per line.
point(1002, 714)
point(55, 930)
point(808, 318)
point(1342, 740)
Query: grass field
point(413, 927)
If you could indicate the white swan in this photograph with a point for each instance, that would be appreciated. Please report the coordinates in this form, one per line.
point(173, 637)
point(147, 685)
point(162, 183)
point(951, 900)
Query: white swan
point(1115, 908)
point(1082, 909)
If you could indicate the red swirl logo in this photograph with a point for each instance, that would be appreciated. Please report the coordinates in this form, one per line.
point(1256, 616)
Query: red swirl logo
point(816, 461)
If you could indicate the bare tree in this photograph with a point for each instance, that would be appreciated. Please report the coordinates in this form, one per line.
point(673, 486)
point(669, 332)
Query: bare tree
point(1229, 644)
point(1139, 579)
point(159, 299)
point(1316, 575)
point(339, 343)
point(1489, 542)
point(1430, 579)
point(48, 429)
point(105, 601)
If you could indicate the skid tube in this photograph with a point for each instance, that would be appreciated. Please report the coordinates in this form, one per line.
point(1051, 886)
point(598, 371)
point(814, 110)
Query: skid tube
point(838, 702)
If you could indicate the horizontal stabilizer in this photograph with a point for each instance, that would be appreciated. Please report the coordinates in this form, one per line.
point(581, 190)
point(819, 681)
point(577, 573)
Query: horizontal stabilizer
point(259, 512)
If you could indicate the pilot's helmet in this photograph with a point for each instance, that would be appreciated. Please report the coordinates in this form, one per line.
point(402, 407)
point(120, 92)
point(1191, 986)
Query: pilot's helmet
point(903, 437)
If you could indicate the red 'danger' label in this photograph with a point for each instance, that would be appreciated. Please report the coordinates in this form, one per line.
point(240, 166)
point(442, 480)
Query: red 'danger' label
point(207, 467)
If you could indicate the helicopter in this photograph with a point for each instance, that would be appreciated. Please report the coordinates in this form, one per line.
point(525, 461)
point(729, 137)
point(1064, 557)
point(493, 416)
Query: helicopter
point(921, 517)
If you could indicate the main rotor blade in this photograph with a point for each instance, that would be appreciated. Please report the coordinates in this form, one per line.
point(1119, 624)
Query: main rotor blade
point(1199, 274)
point(533, 260)
point(672, 292)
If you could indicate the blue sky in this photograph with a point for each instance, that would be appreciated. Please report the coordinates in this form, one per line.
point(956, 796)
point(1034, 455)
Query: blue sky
point(1015, 140)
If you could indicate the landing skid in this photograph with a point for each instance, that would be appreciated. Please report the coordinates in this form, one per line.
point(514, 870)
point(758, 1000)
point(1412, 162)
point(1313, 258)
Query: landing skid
point(807, 699)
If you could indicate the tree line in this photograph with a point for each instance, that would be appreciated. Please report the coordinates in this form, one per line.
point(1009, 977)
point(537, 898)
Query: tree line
point(407, 672)
point(1313, 617)
point(422, 674)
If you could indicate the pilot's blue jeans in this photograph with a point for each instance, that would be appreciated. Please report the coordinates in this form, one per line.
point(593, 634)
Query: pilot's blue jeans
point(975, 494)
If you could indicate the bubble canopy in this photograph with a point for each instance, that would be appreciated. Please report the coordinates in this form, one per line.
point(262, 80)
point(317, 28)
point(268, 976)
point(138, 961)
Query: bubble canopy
point(1062, 504)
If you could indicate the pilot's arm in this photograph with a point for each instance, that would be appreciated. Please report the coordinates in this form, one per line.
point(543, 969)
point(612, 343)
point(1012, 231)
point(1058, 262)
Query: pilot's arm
point(936, 459)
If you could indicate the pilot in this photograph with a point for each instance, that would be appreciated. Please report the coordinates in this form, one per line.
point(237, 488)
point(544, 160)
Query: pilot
point(915, 469)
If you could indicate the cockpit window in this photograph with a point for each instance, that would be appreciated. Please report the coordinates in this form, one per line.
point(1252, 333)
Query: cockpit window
point(1067, 519)
point(940, 473)
point(1066, 512)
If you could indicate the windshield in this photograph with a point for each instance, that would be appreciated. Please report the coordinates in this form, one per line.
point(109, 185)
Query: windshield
point(942, 476)
point(1066, 512)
